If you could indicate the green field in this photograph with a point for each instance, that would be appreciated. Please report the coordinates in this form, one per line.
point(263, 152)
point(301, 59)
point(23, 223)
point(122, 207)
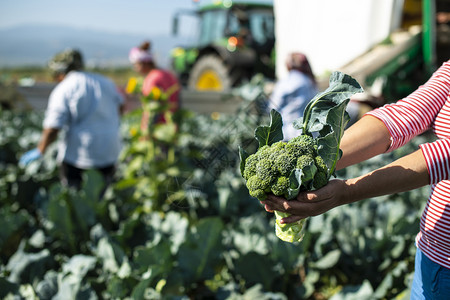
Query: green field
point(178, 223)
point(40, 74)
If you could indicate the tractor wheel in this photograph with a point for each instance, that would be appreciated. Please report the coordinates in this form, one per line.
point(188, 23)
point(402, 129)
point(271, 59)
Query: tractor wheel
point(210, 74)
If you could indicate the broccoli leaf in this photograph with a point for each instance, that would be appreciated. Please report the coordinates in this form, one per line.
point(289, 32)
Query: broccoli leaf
point(243, 156)
point(340, 89)
point(329, 142)
point(267, 135)
point(301, 179)
point(326, 114)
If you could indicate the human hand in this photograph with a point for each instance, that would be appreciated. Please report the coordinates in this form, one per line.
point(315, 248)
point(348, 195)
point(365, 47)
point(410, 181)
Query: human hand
point(30, 156)
point(311, 203)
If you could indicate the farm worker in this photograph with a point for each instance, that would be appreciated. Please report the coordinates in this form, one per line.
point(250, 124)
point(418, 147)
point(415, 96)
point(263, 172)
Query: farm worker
point(144, 63)
point(385, 129)
point(292, 93)
point(87, 107)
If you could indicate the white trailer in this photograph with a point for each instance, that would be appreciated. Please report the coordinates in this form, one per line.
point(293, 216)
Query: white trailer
point(372, 40)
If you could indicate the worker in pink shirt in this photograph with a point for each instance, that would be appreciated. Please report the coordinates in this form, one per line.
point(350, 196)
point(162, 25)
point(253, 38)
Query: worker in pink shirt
point(144, 63)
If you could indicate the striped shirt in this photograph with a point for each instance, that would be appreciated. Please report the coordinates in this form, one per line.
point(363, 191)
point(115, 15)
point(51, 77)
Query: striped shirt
point(428, 108)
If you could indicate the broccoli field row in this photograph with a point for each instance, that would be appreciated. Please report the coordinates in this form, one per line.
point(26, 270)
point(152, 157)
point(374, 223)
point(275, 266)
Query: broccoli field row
point(179, 223)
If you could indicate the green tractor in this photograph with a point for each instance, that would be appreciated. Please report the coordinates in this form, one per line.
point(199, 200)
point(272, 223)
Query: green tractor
point(235, 41)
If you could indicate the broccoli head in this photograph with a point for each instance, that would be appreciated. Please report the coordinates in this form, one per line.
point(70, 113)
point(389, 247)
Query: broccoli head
point(257, 187)
point(278, 146)
point(320, 164)
point(283, 163)
point(264, 152)
point(304, 160)
point(250, 166)
point(264, 170)
point(281, 186)
point(301, 145)
point(268, 170)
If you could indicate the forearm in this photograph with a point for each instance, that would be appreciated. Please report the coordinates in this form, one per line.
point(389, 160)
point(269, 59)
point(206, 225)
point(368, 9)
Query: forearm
point(407, 173)
point(48, 136)
point(365, 139)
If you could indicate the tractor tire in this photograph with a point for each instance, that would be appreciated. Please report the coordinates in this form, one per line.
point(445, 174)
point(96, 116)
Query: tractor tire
point(210, 74)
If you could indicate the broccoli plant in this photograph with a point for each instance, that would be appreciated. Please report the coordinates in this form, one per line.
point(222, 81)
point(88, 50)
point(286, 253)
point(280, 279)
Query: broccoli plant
point(305, 162)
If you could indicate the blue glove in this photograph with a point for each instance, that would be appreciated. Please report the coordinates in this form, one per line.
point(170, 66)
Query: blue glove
point(30, 156)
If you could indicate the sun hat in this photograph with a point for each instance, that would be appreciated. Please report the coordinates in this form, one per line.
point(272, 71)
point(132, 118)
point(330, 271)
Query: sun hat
point(65, 61)
point(140, 54)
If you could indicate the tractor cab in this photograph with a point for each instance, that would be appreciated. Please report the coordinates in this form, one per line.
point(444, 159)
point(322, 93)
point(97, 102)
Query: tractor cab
point(234, 42)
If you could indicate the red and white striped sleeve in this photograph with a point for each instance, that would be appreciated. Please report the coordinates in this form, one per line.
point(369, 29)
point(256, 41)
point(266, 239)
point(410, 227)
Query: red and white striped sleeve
point(427, 107)
point(437, 157)
point(417, 112)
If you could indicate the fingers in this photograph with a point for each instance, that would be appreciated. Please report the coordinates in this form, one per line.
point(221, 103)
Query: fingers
point(290, 219)
point(273, 203)
point(267, 207)
point(307, 204)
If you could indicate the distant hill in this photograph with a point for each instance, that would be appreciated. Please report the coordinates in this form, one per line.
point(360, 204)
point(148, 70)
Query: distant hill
point(35, 44)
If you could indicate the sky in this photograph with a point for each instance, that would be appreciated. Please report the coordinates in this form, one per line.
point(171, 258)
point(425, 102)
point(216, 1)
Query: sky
point(144, 18)
point(119, 16)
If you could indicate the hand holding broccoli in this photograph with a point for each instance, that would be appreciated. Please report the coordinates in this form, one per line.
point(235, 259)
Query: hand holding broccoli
point(308, 203)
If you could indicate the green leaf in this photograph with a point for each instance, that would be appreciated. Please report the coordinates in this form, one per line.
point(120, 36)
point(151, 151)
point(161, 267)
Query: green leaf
point(301, 179)
point(326, 114)
point(384, 287)
point(157, 257)
point(120, 288)
point(257, 292)
point(84, 203)
point(10, 223)
point(250, 235)
point(267, 135)
point(79, 265)
point(139, 290)
point(93, 184)
point(7, 287)
point(329, 142)
point(110, 254)
point(398, 247)
point(360, 292)
point(59, 213)
point(340, 89)
point(256, 268)
point(172, 224)
point(70, 280)
point(199, 254)
point(165, 132)
point(329, 260)
point(26, 267)
point(243, 156)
